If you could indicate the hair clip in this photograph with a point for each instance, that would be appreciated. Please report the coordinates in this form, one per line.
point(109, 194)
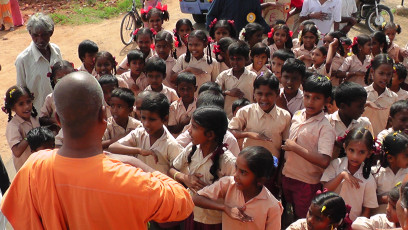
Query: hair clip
point(213, 23)
point(397, 184)
point(143, 11)
point(322, 191)
point(323, 208)
point(231, 22)
point(153, 31)
point(327, 77)
point(270, 34)
point(11, 92)
point(136, 31)
point(290, 33)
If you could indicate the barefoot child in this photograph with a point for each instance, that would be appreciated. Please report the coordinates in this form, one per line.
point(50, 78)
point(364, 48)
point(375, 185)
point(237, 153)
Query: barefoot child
point(87, 50)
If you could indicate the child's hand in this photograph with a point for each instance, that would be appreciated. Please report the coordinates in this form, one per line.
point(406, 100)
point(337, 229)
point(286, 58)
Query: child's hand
point(185, 119)
point(194, 182)
point(135, 88)
point(235, 92)
point(290, 145)
point(145, 152)
point(194, 71)
point(238, 214)
point(258, 136)
point(335, 43)
point(351, 179)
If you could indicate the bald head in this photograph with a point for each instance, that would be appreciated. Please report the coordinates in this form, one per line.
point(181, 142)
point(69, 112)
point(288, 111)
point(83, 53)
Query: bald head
point(78, 101)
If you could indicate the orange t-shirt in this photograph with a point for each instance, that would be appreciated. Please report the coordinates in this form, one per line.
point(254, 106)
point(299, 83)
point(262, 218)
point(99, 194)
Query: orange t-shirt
point(56, 192)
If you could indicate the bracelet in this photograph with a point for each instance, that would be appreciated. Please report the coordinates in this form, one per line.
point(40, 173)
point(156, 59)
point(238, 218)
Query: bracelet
point(174, 176)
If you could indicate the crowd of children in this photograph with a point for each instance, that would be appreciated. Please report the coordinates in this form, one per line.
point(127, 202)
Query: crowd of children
point(250, 124)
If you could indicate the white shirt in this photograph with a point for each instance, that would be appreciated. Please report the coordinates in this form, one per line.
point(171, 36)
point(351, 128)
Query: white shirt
point(331, 7)
point(32, 68)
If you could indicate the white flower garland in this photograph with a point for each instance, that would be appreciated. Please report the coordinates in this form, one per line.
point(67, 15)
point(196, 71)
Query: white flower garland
point(242, 35)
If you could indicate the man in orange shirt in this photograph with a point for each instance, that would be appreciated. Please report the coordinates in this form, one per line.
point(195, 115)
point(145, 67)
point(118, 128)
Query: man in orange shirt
point(78, 186)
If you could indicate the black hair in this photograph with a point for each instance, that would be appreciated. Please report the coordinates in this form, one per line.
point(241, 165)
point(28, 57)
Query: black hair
point(260, 48)
point(349, 92)
point(381, 38)
point(135, 55)
point(318, 84)
point(292, 65)
point(12, 96)
point(143, 31)
point(334, 88)
point(284, 27)
point(362, 134)
point(209, 85)
point(393, 144)
point(156, 64)
point(164, 36)
point(377, 62)
point(108, 79)
point(338, 35)
point(283, 54)
point(335, 208)
point(239, 48)
point(312, 29)
point(240, 103)
point(362, 39)
point(60, 66)
point(390, 25)
point(212, 119)
point(179, 23)
point(259, 160)
point(87, 46)
point(394, 193)
point(322, 49)
point(111, 59)
point(186, 77)
point(202, 36)
point(163, 14)
point(156, 103)
point(125, 95)
point(307, 22)
point(227, 24)
point(401, 71)
point(267, 79)
point(210, 98)
point(40, 137)
point(404, 195)
point(223, 44)
point(398, 106)
point(251, 29)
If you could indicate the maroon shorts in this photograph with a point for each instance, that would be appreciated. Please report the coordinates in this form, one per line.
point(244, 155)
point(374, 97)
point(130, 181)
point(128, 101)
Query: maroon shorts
point(299, 194)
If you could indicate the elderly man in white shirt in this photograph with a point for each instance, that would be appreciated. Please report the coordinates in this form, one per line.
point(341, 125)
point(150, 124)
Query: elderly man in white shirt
point(36, 60)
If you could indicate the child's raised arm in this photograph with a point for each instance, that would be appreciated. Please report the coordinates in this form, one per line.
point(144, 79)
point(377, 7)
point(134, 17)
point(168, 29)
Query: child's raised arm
point(131, 151)
point(19, 148)
point(331, 53)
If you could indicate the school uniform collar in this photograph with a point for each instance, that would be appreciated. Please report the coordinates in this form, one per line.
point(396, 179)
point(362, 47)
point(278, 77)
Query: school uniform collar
point(230, 73)
point(162, 138)
point(392, 46)
point(344, 167)
point(129, 125)
point(336, 117)
point(181, 104)
point(37, 54)
point(203, 59)
point(250, 67)
point(367, 59)
point(386, 93)
point(168, 59)
point(260, 113)
point(302, 47)
point(21, 120)
point(317, 117)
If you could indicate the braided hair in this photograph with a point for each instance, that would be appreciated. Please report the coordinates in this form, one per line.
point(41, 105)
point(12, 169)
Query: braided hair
point(11, 98)
point(202, 36)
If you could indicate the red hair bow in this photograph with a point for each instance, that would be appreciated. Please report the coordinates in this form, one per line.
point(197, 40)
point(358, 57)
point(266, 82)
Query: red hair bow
point(320, 191)
point(143, 11)
point(209, 39)
point(216, 49)
point(136, 31)
point(270, 34)
point(49, 74)
point(176, 41)
point(355, 42)
point(213, 23)
point(290, 33)
point(232, 22)
point(160, 7)
point(153, 31)
point(152, 46)
point(174, 31)
point(219, 151)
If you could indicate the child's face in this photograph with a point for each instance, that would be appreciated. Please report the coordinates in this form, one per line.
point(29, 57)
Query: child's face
point(199, 134)
point(237, 62)
point(280, 37)
point(103, 66)
point(396, 82)
point(357, 152)
point(316, 220)
point(186, 91)
point(155, 22)
point(291, 82)
point(120, 110)
point(221, 32)
point(155, 80)
point(366, 48)
point(382, 75)
point(60, 74)
point(314, 103)
point(376, 47)
point(346, 48)
point(196, 47)
point(400, 161)
point(136, 67)
point(244, 177)
point(144, 42)
point(183, 31)
point(331, 107)
point(151, 121)
point(399, 121)
point(392, 211)
point(327, 40)
point(89, 59)
point(23, 107)
point(163, 49)
point(138, 104)
point(107, 92)
point(317, 57)
point(391, 32)
point(277, 67)
point(309, 39)
point(259, 60)
point(354, 110)
point(255, 38)
point(401, 213)
point(265, 97)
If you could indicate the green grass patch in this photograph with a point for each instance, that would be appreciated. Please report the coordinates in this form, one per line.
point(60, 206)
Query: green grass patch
point(93, 12)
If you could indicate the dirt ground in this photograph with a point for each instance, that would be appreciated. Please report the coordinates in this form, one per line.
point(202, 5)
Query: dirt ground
point(106, 35)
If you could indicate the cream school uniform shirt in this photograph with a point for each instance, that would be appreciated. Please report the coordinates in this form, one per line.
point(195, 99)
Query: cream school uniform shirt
point(379, 221)
point(202, 165)
point(316, 135)
point(16, 130)
point(222, 66)
point(295, 103)
point(357, 198)
point(166, 148)
point(264, 69)
point(178, 111)
point(136, 86)
point(302, 51)
point(381, 136)
point(379, 117)
point(113, 130)
point(402, 94)
point(170, 93)
point(211, 71)
point(336, 63)
point(300, 224)
point(320, 70)
point(272, 49)
point(393, 51)
point(181, 50)
point(263, 208)
point(48, 109)
point(170, 63)
point(82, 68)
point(353, 64)
point(245, 83)
point(275, 125)
point(124, 63)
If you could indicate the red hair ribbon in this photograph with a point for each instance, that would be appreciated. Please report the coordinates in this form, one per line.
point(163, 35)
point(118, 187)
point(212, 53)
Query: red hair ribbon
point(174, 31)
point(355, 42)
point(232, 22)
point(152, 46)
point(114, 59)
point(216, 49)
point(176, 41)
point(320, 191)
point(347, 221)
point(3, 108)
point(290, 33)
point(270, 34)
point(377, 147)
point(209, 39)
point(136, 31)
point(72, 65)
point(143, 11)
point(160, 7)
point(219, 151)
point(49, 74)
point(213, 23)
point(369, 66)
point(153, 31)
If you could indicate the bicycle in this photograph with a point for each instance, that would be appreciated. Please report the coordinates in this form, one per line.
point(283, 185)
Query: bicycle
point(130, 22)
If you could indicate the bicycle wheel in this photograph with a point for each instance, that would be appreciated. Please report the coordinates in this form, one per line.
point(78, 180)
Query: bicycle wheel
point(384, 15)
point(127, 27)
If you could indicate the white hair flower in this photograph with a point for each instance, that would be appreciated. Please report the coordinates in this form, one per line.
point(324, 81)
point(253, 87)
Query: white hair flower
point(387, 39)
point(242, 35)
